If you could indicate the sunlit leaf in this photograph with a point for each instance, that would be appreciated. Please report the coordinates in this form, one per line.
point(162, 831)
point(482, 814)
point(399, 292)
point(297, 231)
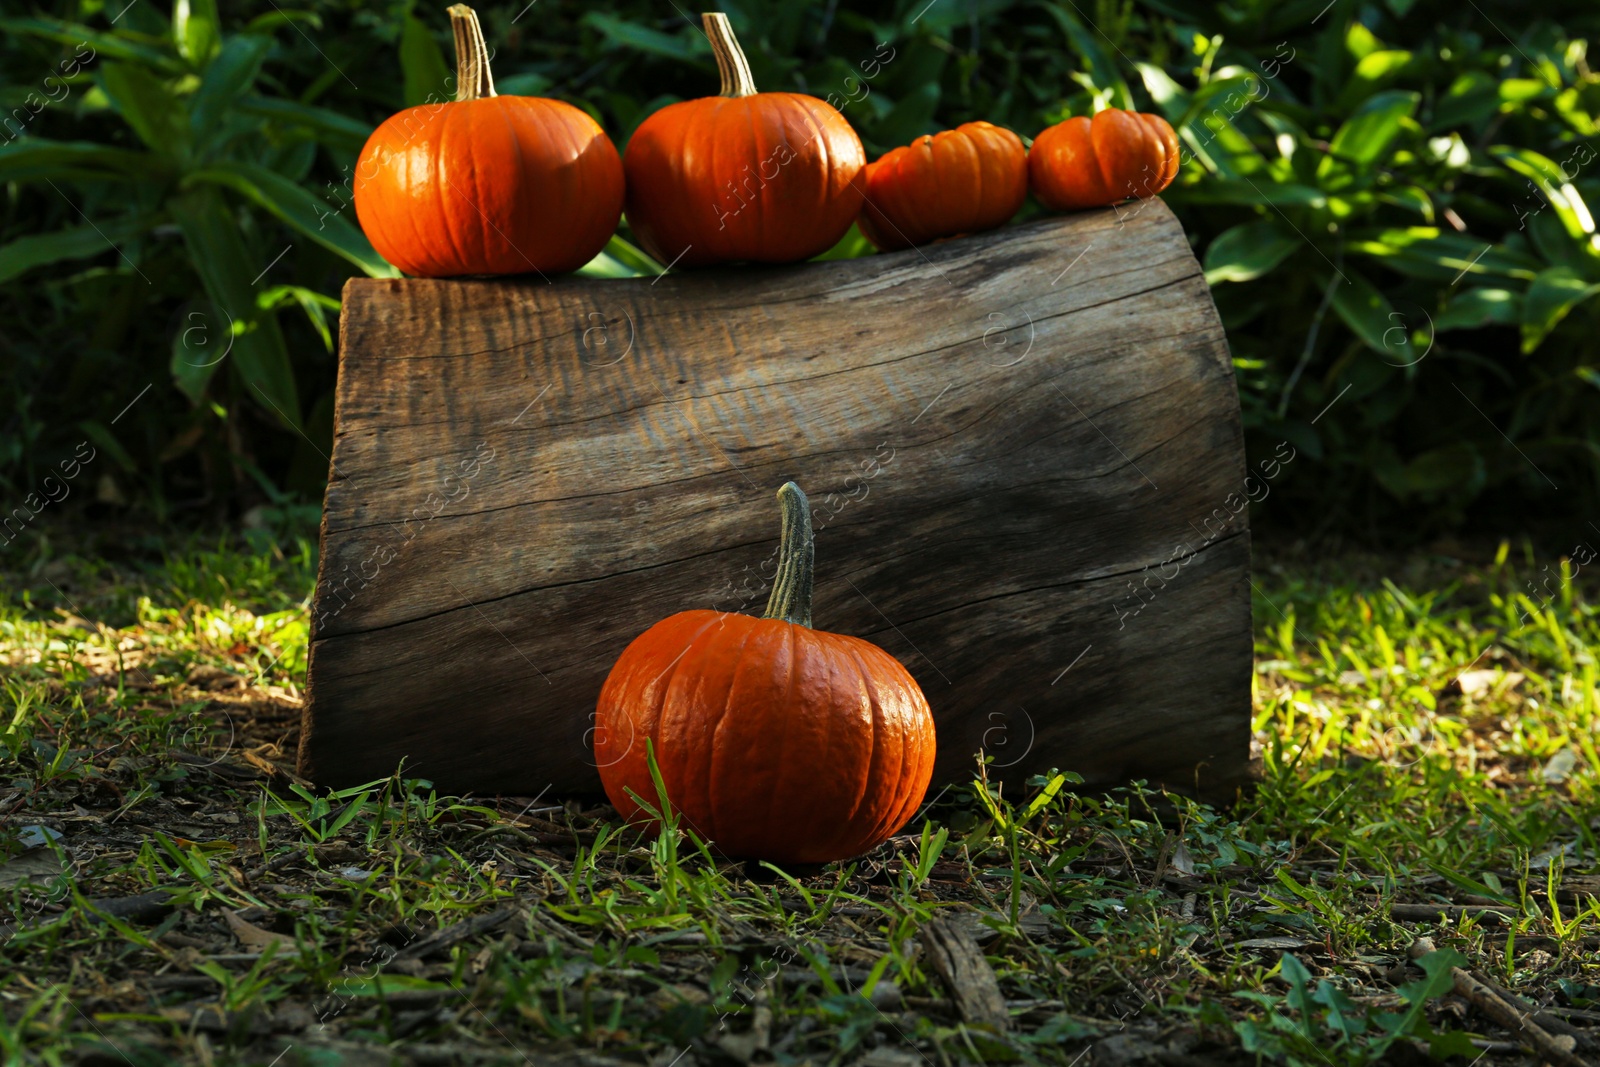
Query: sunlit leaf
point(196, 30)
point(1475, 308)
point(327, 224)
point(1367, 134)
point(1553, 294)
point(1248, 251)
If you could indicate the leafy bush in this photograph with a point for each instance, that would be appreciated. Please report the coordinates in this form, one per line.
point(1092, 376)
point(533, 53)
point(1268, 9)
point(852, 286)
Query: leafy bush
point(1389, 199)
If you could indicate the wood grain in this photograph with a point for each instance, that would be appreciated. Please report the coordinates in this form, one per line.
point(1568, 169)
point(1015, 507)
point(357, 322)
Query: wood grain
point(1023, 449)
point(974, 989)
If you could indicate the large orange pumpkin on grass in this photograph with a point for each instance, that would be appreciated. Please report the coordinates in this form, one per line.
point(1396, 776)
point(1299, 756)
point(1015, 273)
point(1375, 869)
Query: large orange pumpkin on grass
point(965, 180)
point(487, 184)
point(774, 741)
point(762, 177)
point(1084, 162)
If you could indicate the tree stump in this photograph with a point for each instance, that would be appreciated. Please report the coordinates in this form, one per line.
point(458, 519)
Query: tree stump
point(1023, 449)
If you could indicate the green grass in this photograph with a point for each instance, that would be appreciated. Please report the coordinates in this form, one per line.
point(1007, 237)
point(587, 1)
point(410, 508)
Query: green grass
point(150, 713)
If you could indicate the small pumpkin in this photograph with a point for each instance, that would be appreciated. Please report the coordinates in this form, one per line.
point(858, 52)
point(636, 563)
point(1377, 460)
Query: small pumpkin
point(487, 184)
point(965, 180)
point(759, 177)
point(1084, 162)
point(774, 740)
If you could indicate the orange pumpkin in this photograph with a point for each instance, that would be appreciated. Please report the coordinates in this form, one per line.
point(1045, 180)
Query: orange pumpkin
point(487, 184)
point(774, 741)
point(1083, 162)
point(763, 177)
point(964, 180)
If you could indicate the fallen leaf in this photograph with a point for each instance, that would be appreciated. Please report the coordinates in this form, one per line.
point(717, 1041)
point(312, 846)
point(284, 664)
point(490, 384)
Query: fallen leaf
point(1549, 855)
point(39, 866)
point(252, 936)
point(34, 836)
point(1560, 766)
point(1477, 683)
point(1271, 942)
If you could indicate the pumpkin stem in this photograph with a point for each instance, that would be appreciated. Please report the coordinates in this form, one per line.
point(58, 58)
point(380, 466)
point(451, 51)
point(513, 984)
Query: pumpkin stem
point(791, 586)
point(473, 80)
point(736, 77)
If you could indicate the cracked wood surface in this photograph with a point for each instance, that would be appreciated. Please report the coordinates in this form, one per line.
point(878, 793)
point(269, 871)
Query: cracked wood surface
point(1023, 450)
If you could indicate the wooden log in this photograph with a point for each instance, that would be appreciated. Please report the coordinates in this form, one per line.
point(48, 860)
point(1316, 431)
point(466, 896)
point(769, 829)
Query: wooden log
point(1023, 449)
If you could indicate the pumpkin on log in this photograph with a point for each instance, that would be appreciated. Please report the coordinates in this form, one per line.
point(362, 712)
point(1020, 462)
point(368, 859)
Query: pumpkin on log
point(759, 177)
point(487, 184)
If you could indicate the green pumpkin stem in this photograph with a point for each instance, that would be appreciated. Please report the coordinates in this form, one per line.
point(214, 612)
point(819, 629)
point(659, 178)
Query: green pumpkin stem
point(473, 80)
point(731, 64)
point(791, 586)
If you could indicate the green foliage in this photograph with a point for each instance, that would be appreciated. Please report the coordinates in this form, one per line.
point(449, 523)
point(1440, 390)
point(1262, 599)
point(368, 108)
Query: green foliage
point(1331, 1029)
point(1389, 197)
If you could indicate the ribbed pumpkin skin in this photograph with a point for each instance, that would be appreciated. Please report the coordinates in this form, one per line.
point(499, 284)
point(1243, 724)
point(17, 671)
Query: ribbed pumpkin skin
point(965, 180)
point(499, 185)
point(768, 178)
point(775, 741)
point(1084, 163)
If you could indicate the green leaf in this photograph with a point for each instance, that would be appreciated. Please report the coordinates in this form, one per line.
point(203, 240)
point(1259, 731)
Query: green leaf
point(632, 256)
point(1294, 972)
point(1359, 41)
point(105, 46)
point(1455, 469)
point(1046, 795)
point(1365, 136)
point(102, 436)
point(428, 78)
point(1471, 98)
point(1169, 96)
point(1553, 184)
point(1343, 1015)
point(1450, 1043)
point(1248, 251)
point(1475, 308)
point(299, 210)
point(227, 271)
point(228, 78)
point(314, 304)
point(1372, 72)
point(145, 104)
point(1551, 295)
point(35, 158)
point(688, 47)
point(853, 245)
point(1439, 981)
point(199, 346)
point(604, 265)
point(1251, 191)
point(26, 253)
point(347, 132)
point(1369, 315)
point(1431, 254)
point(196, 29)
point(1207, 125)
point(1102, 70)
point(1517, 91)
point(911, 116)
